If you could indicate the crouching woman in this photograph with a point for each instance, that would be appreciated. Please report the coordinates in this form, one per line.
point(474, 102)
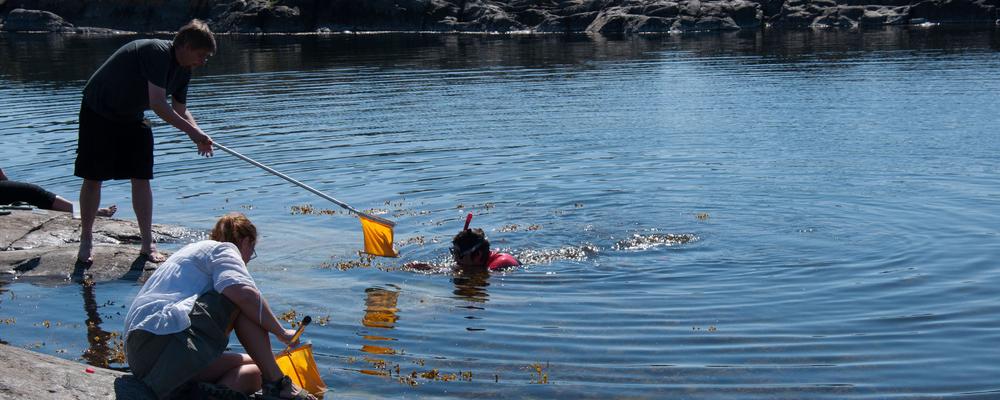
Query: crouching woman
point(178, 326)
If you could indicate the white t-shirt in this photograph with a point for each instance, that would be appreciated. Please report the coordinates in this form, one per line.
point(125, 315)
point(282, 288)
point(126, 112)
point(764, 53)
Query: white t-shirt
point(164, 302)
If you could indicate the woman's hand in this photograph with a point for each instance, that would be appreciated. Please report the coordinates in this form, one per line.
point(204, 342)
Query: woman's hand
point(286, 337)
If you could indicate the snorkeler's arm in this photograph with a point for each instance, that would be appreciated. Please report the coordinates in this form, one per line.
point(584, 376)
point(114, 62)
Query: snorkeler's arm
point(418, 266)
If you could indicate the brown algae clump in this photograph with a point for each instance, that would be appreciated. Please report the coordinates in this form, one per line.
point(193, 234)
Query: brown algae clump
point(644, 242)
point(538, 374)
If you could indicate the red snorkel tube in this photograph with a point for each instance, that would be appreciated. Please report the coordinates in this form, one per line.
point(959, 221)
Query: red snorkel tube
point(468, 219)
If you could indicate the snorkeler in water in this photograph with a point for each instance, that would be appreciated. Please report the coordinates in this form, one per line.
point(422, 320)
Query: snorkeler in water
point(471, 250)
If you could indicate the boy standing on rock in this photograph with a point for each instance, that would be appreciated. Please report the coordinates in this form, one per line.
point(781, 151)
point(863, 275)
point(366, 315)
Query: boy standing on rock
point(116, 141)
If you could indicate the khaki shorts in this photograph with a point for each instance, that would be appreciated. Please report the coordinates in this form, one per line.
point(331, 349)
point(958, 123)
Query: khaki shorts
point(165, 362)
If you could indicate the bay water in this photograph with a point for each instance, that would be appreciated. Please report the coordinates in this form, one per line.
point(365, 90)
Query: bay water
point(807, 214)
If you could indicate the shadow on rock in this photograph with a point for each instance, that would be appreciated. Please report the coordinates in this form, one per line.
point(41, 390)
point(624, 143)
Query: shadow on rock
point(135, 271)
point(130, 387)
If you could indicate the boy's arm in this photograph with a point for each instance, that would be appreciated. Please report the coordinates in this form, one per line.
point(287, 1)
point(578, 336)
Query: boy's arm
point(158, 102)
point(182, 110)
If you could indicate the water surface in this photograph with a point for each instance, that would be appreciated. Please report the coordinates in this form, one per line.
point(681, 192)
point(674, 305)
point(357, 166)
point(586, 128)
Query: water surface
point(795, 215)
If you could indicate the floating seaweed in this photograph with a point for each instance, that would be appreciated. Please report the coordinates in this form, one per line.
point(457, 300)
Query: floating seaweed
point(643, 242)
point(105, 356)
point(308, 209)
point(418, 240)
point(509, 228)
point(538, 374)
point(516, 227)
point(294, 318)
point(574, 253)
point(408, 380)
point(374, 373)
point(432, 374)
point(291, 317)
point(486, 206)
point(363, 261)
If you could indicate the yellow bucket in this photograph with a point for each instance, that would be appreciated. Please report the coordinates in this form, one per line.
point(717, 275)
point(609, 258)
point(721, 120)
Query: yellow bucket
point(300, 365)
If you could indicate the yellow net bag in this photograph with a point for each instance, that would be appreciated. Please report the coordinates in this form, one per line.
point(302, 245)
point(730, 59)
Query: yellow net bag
point(300, 365)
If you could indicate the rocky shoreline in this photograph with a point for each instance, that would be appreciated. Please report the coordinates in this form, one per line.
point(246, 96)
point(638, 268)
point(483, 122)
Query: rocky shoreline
point(502, 16)
point(41, 245)
point(25, 374)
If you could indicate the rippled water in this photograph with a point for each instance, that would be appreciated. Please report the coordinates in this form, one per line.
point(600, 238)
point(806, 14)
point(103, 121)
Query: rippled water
point(798, 215)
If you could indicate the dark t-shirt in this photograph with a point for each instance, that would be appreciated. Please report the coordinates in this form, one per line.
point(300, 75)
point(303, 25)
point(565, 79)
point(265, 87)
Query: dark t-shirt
point(119, 89)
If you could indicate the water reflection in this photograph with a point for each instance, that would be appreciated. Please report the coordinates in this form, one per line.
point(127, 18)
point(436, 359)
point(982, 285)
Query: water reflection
point(380, 314)
point(471, 285)
point(72, 58)
point(106, 349)
point(380, 308)
point(3, 294)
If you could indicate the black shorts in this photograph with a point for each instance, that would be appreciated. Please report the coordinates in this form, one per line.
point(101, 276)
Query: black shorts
point(109, 149)
point(12, 192)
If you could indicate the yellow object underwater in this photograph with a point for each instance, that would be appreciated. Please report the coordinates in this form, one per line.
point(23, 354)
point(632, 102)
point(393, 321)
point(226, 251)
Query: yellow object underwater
point(378, 237)
point(299, 364)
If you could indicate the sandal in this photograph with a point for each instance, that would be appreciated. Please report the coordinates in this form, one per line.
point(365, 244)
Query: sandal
point(284, 389)
point(212, 391)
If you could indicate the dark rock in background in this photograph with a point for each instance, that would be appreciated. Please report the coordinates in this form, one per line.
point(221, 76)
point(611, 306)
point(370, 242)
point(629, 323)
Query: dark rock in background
point(954, 11)
point(596, 16)
point(21, 20)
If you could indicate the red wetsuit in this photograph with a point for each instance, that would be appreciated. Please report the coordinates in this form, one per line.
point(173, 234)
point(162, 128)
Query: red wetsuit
point(501, 260)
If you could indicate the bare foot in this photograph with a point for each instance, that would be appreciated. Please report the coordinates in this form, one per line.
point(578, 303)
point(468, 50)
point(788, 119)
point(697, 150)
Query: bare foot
point(107, 212)
point(153, 256)
point(84, 254)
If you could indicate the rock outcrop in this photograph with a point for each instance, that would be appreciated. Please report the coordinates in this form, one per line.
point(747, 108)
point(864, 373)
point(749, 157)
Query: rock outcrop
point(28, 375)
point(22, 20)
point(42, 245)
point(595, 16)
